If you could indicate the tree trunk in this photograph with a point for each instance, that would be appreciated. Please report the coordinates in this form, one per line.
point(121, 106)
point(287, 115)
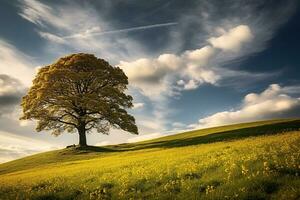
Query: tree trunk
point(82, 136)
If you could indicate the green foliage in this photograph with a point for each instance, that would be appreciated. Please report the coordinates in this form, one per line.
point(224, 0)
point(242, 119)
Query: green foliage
point(261, 165)
point(79, 92)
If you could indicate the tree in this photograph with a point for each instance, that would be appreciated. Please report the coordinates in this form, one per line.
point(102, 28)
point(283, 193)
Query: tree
point(79, 93)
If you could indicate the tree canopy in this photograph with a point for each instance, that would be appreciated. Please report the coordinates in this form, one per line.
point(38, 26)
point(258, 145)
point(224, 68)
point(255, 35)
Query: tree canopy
point(79, 92)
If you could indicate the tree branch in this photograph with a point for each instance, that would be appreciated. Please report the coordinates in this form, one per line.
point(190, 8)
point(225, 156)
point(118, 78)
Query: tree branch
point(64, 122)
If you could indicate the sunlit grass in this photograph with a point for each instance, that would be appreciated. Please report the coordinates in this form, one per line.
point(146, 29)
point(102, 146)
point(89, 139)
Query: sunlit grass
point(260, 167)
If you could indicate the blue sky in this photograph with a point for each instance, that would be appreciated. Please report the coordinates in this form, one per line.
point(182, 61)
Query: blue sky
point(191, 64)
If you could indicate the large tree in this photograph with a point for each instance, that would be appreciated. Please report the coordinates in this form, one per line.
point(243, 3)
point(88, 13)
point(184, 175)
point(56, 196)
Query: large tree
point(79, 93)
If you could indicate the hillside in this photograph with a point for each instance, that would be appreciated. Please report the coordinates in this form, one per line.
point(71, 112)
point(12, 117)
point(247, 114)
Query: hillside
point(259, 160)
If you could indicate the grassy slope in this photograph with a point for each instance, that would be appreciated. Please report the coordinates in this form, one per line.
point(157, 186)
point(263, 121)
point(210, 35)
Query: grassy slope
point(221, 162)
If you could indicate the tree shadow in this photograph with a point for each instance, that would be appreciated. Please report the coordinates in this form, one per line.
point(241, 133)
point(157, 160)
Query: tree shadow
point(269, 129)
point(222, 136)
point(89, 149)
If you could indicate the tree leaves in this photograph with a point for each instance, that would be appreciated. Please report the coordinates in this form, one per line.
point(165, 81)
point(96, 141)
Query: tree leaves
point(79, 89)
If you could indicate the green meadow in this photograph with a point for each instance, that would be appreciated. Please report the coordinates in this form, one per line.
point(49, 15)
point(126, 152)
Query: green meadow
point(259, 160)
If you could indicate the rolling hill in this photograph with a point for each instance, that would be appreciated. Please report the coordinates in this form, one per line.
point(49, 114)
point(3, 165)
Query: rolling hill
point(259, 160)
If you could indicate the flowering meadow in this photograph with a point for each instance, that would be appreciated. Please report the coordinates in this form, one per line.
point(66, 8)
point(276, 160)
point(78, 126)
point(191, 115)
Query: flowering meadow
point(262, 164)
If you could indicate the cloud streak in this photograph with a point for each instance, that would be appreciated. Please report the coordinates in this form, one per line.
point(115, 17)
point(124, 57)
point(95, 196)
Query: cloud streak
point(126, 30)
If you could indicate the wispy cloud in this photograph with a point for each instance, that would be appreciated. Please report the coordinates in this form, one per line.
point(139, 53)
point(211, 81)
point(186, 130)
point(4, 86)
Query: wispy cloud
point(15, 63)
point(144, 137)
point(137, 28)
point(138, 105)
point(14, 146)
point(11, 91)
point(59, 18)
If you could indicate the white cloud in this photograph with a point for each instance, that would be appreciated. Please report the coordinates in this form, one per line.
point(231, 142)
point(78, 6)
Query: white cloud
point(190, 85)
point(10, 86)
point(274, 102)
point(233, 39)
point(15, 146)
point(11, 91)
point(52, 37)
point(87, 33)
point(138, 105)
point(149, 125)
point(32, 11)
point(15, 64)
point(24, 123)
point(103, 143)
point(189, 69)
point(144, 137)
point(178, 125)
point(154, 76)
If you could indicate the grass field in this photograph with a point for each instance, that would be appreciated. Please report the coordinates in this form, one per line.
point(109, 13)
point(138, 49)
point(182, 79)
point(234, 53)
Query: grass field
point(259, 160)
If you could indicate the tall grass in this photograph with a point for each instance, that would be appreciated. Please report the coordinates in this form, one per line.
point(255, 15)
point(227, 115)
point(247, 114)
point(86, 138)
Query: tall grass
point(257, 167)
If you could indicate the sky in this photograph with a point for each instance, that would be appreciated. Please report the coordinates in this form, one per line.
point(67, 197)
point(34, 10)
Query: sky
point(191, 64)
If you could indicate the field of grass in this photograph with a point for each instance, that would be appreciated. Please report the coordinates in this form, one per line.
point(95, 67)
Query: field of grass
point(258, 160)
